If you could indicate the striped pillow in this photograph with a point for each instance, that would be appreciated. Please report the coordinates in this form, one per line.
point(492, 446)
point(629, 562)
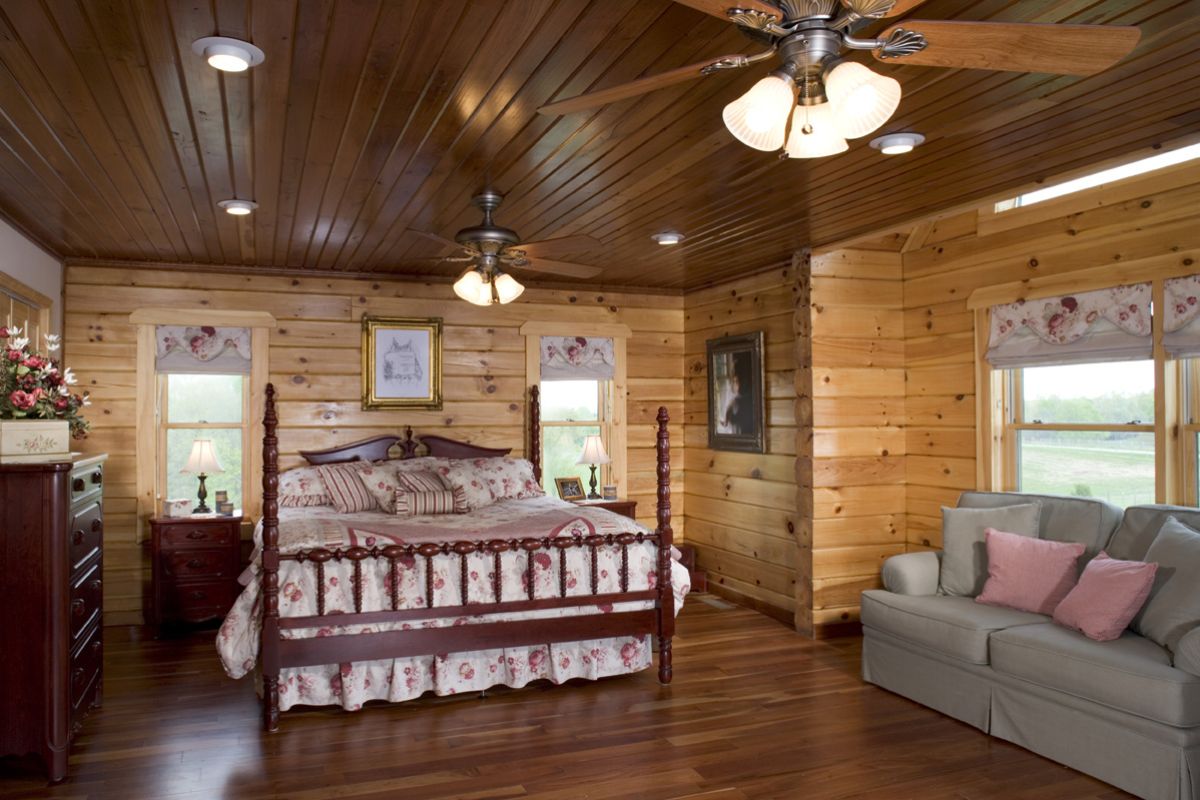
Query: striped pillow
point(346, 488)
point(414, 504)
point(421, 481)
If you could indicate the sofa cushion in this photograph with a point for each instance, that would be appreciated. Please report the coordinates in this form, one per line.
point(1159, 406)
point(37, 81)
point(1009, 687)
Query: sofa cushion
point(1173, 608)
point(1085, 520)
point(955, 626)
point(964, 554)
point(1141, 524)
point(1131, 674)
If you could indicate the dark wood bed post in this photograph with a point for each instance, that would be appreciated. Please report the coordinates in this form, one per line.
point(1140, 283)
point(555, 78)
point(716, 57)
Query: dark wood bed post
point(535, 431)
point(269, 644)
point(666, 597)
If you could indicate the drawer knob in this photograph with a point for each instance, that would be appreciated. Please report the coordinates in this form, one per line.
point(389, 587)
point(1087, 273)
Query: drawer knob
point(197, 535)
point(197, 594)
point(95, 585)
point(96, 645)
point(77, 606)
point(195, 563)
point(77, 485)
point(77, 538)
point(97, 476)
point(97, 525)
point(77, 676)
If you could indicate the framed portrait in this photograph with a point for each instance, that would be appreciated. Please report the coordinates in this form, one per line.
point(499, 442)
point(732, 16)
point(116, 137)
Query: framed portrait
point(570, 488)
point(736, 393)
point(401, 362)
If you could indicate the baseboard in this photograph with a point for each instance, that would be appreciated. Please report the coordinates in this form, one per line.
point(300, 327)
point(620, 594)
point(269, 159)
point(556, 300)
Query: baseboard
point(837, 630)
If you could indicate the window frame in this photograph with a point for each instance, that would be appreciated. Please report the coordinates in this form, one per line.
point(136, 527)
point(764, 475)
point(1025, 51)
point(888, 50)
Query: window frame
point(602, 421)
point(163, 425)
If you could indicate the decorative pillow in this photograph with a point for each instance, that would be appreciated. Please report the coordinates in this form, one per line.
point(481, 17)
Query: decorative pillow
point(301, 487)
point(346, 488)
point(1174, 605)
point(421, 481)
point(382, 482)
point(964, 555)
point(1108, 596)
point(417, 503)
point(1028, 574)
point(508, 478)
point(470, 488)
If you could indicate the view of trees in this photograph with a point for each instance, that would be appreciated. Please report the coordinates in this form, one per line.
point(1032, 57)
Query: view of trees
point(212, 399)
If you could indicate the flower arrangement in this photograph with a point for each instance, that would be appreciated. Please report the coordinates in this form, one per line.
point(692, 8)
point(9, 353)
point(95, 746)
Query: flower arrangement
point(33, 387)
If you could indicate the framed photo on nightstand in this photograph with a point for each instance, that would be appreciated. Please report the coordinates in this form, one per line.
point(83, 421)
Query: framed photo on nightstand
point(570, 488)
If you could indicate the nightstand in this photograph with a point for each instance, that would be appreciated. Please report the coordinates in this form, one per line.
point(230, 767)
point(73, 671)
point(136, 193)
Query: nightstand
point(196, 561)
point(626, 508)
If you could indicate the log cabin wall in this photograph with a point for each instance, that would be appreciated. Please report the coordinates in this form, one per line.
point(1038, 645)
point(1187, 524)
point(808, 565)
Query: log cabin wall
point(741, 507)
point(858, 430)
point(314, 363)
point(1144, 223)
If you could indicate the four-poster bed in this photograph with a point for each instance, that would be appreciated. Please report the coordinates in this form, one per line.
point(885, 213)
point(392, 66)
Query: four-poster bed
point(527, 585)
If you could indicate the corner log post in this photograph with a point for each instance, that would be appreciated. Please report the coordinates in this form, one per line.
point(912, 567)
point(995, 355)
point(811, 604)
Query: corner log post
point(269, 644)
point(666, 596)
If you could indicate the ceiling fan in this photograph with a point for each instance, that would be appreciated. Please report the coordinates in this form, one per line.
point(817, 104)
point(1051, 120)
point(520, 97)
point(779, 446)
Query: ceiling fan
point(828, 99)
point(487, 246)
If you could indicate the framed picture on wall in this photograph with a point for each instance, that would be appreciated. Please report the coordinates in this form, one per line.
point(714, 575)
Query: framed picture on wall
point(736, 393)
point(401, 362)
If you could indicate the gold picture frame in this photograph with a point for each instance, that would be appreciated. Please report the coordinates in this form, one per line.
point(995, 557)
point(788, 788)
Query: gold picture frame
point(401, 363)
point(570, 488)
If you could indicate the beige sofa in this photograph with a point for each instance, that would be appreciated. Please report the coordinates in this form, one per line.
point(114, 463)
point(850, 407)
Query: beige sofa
point(1120, 711)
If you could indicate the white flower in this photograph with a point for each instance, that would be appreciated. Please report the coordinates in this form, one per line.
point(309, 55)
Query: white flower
point(19, 343)
point(53, 342)
point(69, 377)
point(87, 400)
point(14, 331)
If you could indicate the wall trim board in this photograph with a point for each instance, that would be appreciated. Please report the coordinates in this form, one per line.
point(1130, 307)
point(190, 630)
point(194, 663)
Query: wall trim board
point(202, 316)
point(1083, 280)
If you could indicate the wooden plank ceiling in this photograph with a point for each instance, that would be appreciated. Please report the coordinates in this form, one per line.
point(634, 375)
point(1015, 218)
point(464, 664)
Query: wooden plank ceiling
point(374, 117)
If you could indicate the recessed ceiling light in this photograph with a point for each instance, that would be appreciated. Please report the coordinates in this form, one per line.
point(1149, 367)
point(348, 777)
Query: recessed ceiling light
point(667, 237)
point(239, 208)
point(228, 55)
point(893, 144)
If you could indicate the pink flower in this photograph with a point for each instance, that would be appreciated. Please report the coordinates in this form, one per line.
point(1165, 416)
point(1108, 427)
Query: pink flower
point(13, 355)
point(1070, 303)
point(22, 400)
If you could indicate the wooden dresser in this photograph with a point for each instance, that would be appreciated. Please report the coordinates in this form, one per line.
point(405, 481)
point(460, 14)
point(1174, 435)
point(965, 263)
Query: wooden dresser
point(51, 558)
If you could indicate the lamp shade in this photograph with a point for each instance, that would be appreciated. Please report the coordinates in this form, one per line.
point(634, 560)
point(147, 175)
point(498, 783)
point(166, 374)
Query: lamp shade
point(202, 459)
point(507, 287)
point(593, 451)
point(474, 288)
point(813, 133)
point(759, 117)
point(862, 100)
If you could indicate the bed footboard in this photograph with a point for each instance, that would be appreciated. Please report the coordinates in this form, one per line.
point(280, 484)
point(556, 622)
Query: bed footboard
point(656, 619)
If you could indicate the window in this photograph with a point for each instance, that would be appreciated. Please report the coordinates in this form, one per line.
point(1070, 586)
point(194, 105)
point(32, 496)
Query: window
point(203, 406)
point(571, 410)
point(1083, 429)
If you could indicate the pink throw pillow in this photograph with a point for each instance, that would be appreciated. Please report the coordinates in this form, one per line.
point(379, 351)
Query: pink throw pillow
point(1028, 574)
point(1108, 596)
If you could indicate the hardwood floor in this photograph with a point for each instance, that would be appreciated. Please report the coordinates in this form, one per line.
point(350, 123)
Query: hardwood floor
point(755, 712)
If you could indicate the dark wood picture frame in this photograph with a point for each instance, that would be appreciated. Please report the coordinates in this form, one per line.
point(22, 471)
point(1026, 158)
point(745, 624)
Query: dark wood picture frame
point(737, 408)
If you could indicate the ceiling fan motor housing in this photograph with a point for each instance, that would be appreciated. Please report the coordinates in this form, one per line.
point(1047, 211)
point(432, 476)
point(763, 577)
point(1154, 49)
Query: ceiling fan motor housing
point(487, 237)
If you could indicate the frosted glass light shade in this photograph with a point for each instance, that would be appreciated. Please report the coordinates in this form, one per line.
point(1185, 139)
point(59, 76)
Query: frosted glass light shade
point(759, 117)
point(202, 459)
point(507, 287)
point(814, 134)
point(593, 451)
point(862, 100)
point(473, 288)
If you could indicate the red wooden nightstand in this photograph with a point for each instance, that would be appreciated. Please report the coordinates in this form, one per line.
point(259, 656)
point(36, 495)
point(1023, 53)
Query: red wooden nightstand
point(626, 508)
point(196, 561)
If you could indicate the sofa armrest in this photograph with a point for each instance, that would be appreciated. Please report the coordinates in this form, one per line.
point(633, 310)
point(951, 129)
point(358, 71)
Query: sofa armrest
point(913, 573)
point(1187, 652)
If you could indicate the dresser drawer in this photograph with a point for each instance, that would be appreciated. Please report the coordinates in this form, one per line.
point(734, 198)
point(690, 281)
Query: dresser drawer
point(87, 594)
point(183, 535)
point(200, 601)
point(186, 564)
point(87, 482)
point(86, 532)
point(84, 674)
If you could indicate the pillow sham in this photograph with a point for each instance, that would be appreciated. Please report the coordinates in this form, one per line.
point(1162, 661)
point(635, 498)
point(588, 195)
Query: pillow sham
point(421, 481)
point(1174, 605)
point(964, 567)
point(1108, 596)
point(382, 482)
point(346, 488)
point(508, 478)
point(1028, 574)
point(470, 488)
point(414, 504)
point(302, 487)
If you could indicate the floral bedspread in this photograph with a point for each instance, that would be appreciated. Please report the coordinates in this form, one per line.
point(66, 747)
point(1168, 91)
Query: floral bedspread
point(352, 684)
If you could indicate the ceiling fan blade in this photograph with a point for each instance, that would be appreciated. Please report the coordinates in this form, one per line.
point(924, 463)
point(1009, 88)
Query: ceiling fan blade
point(650, 83)
point(433, 237)
point(559, 268)
point(561, 244)
point(1017, 46)
point(903, 7)
point(721, 8)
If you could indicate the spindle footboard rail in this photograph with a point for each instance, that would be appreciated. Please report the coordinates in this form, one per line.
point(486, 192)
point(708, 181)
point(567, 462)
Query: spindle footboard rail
point(279, 651)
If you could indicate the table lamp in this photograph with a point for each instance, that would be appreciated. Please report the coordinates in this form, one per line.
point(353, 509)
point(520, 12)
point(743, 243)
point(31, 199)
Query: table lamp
point(593, 454)
point(201, 461)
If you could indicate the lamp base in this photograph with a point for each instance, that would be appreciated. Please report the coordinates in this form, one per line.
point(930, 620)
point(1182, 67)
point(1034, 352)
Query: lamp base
point(592, 495)
point(201, 495)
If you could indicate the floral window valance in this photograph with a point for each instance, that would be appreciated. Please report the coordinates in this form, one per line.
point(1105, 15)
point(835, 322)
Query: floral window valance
point(1181, 316)
point(202, 348)
point(1102, 325)
point(576, 358)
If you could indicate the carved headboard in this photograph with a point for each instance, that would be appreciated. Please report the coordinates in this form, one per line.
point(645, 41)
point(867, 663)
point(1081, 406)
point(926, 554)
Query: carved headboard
point(377, 449)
